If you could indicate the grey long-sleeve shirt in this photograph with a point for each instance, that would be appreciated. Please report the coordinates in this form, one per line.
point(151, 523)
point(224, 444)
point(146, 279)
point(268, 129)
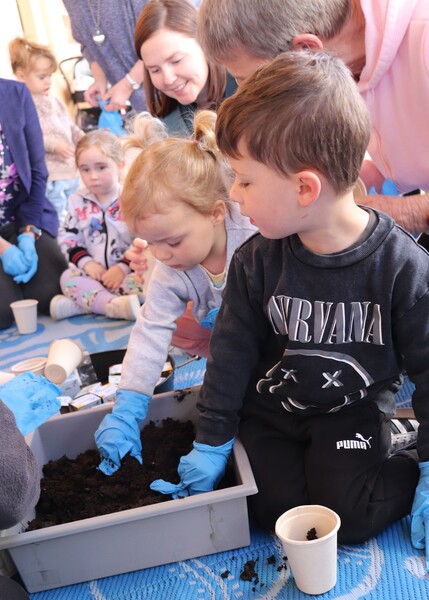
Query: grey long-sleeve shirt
point(168, 294)
point(19, 472)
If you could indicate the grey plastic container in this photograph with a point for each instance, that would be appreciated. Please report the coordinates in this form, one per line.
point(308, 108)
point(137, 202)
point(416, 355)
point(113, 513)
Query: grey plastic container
point(133, 539)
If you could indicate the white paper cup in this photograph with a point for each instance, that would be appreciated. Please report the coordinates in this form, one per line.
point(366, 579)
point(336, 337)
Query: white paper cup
point(312, 562)
point(63, 357)
point(25, 314)
point(31, 365)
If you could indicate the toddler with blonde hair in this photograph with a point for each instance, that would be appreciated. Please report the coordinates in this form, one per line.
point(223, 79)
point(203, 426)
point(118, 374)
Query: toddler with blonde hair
point(175, 197)
point(34, 64)
point(94, 237)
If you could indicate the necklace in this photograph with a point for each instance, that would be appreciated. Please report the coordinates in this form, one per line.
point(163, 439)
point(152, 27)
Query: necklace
point(98, 36)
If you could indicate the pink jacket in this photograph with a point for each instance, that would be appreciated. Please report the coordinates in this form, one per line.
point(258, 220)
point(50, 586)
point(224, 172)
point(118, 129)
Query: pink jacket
point(395, 86)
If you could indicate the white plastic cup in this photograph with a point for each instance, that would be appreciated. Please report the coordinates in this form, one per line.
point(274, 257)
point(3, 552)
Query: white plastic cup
point(25, 314)
point(312, 562)
point(30, 365)
point(63, 357)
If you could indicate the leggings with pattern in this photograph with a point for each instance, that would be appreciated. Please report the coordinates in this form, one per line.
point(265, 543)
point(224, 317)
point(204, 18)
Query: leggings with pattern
point(92, 295)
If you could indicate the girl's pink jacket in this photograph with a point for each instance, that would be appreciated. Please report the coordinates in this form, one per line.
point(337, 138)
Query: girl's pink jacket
point(395, 85)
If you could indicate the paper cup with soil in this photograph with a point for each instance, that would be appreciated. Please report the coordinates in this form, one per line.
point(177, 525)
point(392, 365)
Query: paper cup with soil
point(63, 357)
point(309, 537)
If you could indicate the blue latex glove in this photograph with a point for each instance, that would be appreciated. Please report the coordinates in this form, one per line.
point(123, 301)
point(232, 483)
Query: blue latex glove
point(13, 261)
point(27, 244)
point(110, 120)
point(200, 471)
point(32, 399)
point(119, 432)
point(420, 513)
point(209, 320)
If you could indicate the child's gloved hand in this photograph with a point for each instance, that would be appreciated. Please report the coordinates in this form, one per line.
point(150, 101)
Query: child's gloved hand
point(420, 513)
point(27, 244)
point(119, 432)
point(13, 261)
point(200, 471)
point(209, 320)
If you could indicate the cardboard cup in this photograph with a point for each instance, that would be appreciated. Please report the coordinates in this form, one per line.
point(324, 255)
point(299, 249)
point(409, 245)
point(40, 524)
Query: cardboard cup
point(25, 314)
point(312, 562)
point(63, 357)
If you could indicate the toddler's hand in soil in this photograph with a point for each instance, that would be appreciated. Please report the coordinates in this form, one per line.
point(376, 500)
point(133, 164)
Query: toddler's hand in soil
point(200, 471)
point(119, 433)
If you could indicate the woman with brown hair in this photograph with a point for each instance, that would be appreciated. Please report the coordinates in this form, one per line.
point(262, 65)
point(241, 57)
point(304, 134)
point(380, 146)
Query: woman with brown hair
point(178, 79)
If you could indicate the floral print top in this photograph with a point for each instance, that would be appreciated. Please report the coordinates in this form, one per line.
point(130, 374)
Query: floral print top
point(9, 181)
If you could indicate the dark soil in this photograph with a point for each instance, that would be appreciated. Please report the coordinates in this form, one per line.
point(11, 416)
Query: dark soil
point(312, 534)
point(75, 489)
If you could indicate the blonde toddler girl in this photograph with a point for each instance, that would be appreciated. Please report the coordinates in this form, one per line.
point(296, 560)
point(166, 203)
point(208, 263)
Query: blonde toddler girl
point(175, 197)
point(94, 238)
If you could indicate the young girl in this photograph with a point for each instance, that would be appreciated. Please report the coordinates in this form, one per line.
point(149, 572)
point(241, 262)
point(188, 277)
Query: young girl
point(94, 238)
point(33, 65)
point(175, 197)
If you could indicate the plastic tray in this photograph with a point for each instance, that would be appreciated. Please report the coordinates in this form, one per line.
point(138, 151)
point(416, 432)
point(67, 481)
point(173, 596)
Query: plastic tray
point(134, 539)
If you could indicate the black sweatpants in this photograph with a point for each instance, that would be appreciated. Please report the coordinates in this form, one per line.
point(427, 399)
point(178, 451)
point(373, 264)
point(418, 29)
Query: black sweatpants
point(339, 460)
point(42, 286)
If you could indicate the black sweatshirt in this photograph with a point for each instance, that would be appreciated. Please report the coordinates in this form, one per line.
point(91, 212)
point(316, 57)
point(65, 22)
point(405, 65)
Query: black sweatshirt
point(310, 333)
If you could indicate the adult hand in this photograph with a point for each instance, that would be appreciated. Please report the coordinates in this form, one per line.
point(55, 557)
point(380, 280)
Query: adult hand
point(64, 150)
point(27, 244)
point(113, 278)
point(119, 432)
point(209, 320)
point(200, 471)
point(93, 94)
point(13, 261)
point(136, 255)
point(420, 513)
point(94, 270)
point(117, 95)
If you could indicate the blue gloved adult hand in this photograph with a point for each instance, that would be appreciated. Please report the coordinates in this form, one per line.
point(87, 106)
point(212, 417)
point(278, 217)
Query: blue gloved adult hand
point(200, 471)
point(119, 432)
point(13, 261)
point(209, 320)
point(27, 244)
point(420, 513)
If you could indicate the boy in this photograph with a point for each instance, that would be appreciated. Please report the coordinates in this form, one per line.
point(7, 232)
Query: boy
point(322, 311)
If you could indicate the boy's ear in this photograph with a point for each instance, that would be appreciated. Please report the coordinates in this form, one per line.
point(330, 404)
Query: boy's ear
point(309, 186)
point(306, 41)
point(218, 212)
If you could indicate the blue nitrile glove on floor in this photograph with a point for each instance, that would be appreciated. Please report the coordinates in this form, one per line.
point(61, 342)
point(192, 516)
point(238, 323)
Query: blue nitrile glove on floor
point(32, 399)
point(209, 320)
point(27, 244)
point(119, 432)
point(110, 120)
point(420, 513)
point(200, 471)
point(13, 261)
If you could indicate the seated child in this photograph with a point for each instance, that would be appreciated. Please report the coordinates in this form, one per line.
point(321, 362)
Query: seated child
point(175, 197)
point(34, 64)
point(94, 238)
point(322, 312)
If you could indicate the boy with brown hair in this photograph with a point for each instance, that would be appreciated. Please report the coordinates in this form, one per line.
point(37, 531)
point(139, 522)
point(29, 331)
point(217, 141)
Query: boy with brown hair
point(323, 310)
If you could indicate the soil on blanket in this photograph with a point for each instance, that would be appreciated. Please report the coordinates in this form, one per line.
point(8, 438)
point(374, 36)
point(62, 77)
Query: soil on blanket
point(75, 489)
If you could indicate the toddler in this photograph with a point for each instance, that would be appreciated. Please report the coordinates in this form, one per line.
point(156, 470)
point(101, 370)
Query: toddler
point(33, 65)
point(94, 237)
point(175, 198)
